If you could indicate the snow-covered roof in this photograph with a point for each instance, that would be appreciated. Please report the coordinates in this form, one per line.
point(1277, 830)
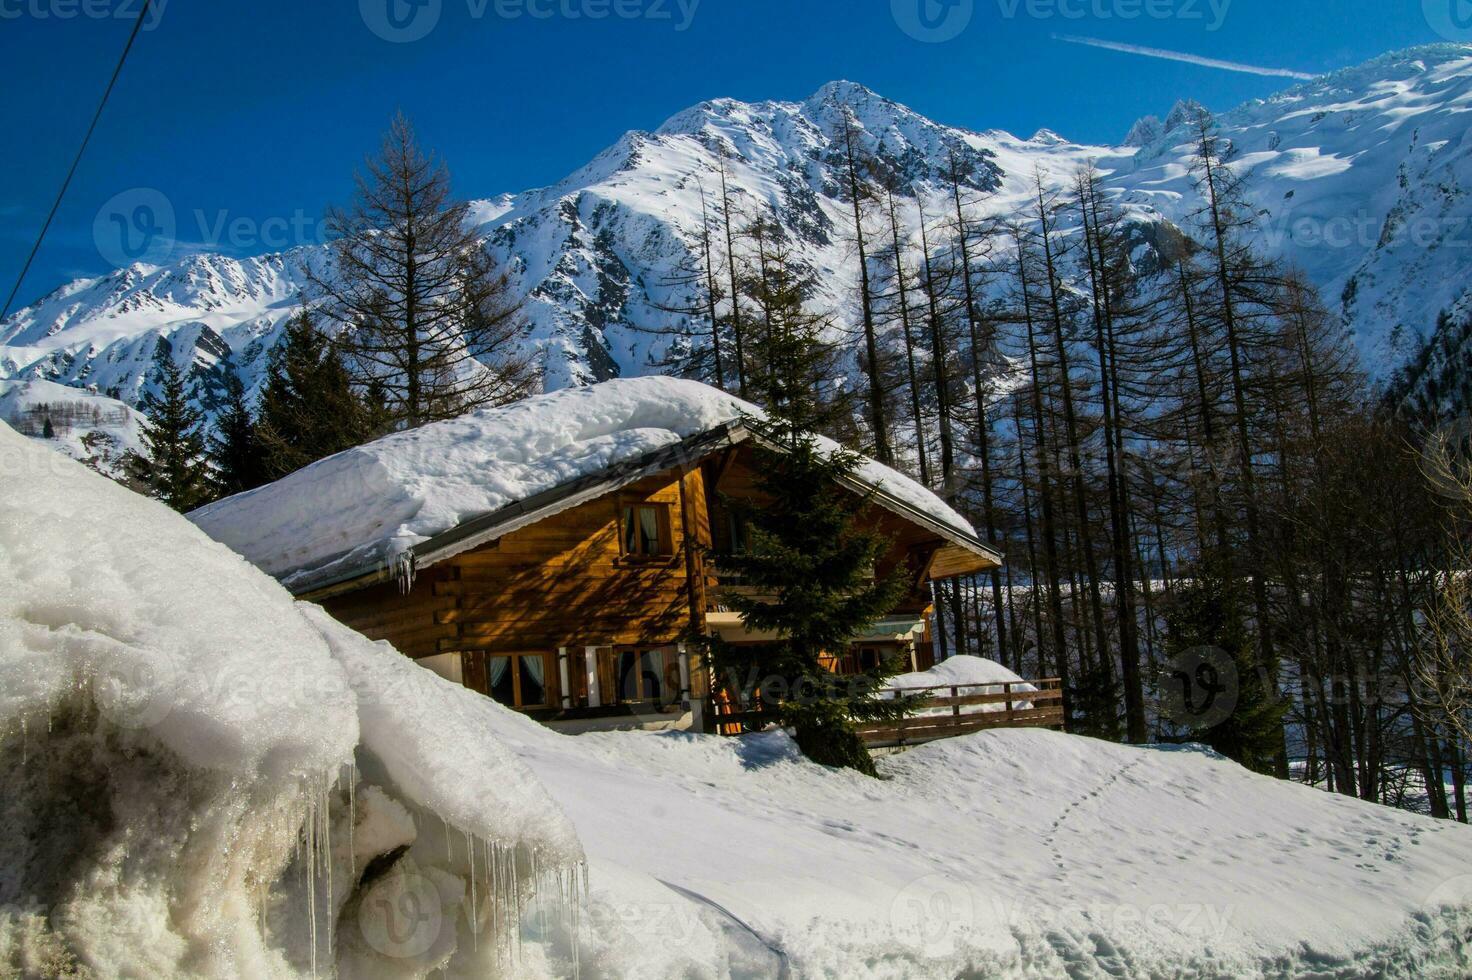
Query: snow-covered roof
point(367, 509)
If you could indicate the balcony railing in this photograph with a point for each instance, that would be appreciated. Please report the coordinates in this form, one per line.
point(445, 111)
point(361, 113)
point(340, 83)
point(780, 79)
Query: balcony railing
point(948, 711)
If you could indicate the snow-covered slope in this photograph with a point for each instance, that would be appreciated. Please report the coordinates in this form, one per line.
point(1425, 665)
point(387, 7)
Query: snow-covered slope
point(86, 426)
point(1361, 177)
point(1021, 853)
point(200, 778)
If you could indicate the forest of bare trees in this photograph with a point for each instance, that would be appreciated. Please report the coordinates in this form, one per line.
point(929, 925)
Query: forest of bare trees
point(1215, 530)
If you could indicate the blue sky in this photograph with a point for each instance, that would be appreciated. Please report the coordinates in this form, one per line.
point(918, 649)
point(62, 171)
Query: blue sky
point(251, 110)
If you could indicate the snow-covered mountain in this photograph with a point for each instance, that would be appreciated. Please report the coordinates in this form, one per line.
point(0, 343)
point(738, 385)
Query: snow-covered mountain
point(1360, 177)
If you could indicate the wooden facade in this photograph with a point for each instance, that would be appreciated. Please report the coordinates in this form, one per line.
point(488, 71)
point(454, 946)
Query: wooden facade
point(581, 614)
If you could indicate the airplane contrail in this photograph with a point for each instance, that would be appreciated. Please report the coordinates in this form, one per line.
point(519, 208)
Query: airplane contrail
point(1190, 59)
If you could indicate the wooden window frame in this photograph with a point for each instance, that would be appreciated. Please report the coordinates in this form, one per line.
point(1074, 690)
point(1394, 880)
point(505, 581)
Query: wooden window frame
point(667, 664)
point(664, 520)
point(549, 667)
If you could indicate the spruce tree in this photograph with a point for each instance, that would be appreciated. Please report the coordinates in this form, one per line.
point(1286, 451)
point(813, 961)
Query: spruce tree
point(1207, 615)
point(309, 409)
point(48, 431)
point(235, 447)
point(173, 465)
point(809, 566)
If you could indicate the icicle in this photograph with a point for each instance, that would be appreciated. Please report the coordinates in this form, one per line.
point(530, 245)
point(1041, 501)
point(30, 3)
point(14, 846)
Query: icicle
point(403, 572)
point(474, 921)
point(324, 806)
point(310, 829)
point(352, 774)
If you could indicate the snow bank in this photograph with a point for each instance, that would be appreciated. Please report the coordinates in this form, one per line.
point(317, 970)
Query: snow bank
point(170, 631)
point(201, 778)
point(369, 505)
point(409, 716)
point(1015, 853)
point(960, 670)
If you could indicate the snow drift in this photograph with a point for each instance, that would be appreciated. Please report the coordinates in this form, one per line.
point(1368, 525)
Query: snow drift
point(1012, 853)
point(369, 505)
point(201, 778)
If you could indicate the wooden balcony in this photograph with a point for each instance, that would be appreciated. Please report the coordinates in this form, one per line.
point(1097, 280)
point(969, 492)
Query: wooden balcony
point(947, 712)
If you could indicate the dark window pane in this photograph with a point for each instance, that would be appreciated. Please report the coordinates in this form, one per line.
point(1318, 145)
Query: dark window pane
point(501, 681)
point(736, 530)
point(533, 681)
point(649, 530)
point(653, 675)
point(639, 676)
point(631, 532)
point(628, 676)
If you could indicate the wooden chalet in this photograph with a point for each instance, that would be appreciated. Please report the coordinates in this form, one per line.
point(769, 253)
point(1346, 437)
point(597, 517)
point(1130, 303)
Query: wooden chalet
point(570, 605)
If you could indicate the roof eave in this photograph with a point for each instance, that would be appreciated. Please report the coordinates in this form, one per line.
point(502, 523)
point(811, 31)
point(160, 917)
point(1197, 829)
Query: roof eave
point(479, 531)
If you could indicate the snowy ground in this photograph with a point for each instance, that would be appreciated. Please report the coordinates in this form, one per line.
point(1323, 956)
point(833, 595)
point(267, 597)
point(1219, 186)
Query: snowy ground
point(1006, 853)
point(201, 778)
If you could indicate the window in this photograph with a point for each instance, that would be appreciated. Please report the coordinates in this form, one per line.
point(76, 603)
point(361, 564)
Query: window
point(641, 675)
point(645, 531)
point(736, 532)
point(861, 660)
point(518, 680)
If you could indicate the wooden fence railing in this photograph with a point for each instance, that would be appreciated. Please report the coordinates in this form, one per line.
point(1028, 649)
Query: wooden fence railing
point(948, 711)
point(960, 709)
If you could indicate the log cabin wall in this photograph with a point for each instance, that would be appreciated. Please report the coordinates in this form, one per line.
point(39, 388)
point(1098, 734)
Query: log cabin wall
point(564, 582)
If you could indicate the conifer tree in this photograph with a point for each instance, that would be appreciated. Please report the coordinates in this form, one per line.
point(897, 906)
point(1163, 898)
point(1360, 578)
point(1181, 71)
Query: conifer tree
point(309, 409)
point(173, 464)
point(423, 308)
point(1207, 614)
point(810, 560)
point(48, 431)
point(235, 448)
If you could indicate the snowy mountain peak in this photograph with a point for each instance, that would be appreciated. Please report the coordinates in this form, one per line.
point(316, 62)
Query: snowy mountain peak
point(1145, 131)
point(847, 93)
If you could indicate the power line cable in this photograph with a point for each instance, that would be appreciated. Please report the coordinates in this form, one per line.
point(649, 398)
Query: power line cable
point(137, 26)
